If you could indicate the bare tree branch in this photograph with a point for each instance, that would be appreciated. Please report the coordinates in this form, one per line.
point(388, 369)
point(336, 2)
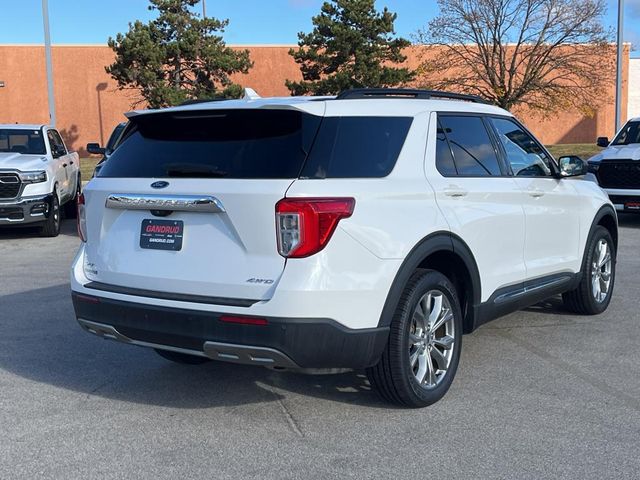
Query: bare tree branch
point(546, 54)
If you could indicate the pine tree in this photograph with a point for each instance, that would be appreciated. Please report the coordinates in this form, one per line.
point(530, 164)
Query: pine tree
point(177, 57)
point(352, 45)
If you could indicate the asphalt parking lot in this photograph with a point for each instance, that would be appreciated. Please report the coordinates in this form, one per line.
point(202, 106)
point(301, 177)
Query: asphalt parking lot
point(539, 394)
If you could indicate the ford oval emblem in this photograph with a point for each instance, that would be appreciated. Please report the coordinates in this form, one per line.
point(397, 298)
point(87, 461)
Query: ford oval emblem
point(160, 184)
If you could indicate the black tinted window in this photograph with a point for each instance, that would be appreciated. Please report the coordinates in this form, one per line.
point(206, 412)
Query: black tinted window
point(56, 142)
point(29, 142)
point(115, 136)
point(357, 147)
point(629, 134)
point(473, 152)
point(215, 143)
point(444, 158)
point(524, 155)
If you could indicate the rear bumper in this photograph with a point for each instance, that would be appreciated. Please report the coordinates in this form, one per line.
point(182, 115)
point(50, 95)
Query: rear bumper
point(25, 210)
point(621, 198)
point(283, 342)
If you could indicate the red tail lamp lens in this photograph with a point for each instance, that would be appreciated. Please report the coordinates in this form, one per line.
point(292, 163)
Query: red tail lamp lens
point(305, 225)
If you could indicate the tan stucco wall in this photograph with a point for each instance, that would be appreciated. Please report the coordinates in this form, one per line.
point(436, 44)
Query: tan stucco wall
point(88, 105)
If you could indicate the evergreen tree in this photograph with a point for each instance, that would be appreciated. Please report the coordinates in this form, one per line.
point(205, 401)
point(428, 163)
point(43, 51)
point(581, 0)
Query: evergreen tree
point(177, 57)
point(352, 45)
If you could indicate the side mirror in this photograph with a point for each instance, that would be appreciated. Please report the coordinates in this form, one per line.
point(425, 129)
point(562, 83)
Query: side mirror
point(572, 166)
point(95, 149)
point(603, 142)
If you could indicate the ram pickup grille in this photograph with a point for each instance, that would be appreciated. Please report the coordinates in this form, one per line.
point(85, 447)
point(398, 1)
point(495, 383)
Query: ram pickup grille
point(9, 185)
point(619, 174)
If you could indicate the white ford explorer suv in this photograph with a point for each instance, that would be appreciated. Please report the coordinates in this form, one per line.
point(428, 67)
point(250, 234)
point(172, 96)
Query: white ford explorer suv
point(370, 231)
point(38, 175)
point(617, 168)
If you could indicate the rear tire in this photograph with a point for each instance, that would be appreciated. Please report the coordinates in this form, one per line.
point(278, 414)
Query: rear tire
point(51, 226)
point(182, 358)
point(594, 291)
point(425, 339)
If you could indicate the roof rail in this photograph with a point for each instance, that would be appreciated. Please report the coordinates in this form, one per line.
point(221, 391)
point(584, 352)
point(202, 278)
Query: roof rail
point(405, 93)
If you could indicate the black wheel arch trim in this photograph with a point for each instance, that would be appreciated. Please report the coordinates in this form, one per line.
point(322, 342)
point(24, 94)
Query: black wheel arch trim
point(433, 243)
point(605, 211)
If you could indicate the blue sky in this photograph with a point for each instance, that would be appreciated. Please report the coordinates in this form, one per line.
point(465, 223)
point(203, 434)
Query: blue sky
point(252, 21)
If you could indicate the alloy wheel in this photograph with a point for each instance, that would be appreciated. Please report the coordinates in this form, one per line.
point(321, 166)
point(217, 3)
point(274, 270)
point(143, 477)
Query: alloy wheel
point(431, 339)
point(601, 271)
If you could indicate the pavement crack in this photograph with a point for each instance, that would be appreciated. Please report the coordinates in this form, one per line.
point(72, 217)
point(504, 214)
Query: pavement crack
point(293, 424)
point(608, 390)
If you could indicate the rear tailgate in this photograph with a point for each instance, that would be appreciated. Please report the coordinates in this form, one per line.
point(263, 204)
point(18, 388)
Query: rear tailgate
point(186, 203)
point(229, 253)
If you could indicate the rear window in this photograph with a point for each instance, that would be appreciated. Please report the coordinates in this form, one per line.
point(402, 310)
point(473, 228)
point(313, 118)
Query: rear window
point(356, 147)
point(629, 134)
point(29, 142)
point(215, 144)
point(258, 144)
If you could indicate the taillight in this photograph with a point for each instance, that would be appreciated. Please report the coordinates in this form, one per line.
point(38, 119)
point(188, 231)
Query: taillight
point(304, 225)
point(82, 218)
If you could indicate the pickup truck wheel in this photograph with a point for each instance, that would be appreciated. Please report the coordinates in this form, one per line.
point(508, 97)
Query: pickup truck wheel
point(421, 357)
point(51, 227)
point(598, 275)
point(71, 207)
point(182, 358)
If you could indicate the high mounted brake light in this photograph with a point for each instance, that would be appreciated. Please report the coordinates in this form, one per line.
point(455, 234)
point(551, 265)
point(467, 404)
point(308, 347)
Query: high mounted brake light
point(304, 226)
point(82, 218)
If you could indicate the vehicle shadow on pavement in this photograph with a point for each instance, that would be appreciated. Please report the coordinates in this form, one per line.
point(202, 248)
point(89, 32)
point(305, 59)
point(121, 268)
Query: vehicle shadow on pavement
point(41, 341)
point(67, 227)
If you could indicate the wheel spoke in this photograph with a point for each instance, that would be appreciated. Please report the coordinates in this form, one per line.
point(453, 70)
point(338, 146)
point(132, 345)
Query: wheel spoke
point(437, 309)
point(414, 339)
point(603, 286)
point(431, 372)
point(595, 285)
point(425, 305)
point(445, 342)
point(423, 368)
point(605, 260)
point(602, 251)
point(439, 358)
point(413, 358)
point(446, 316)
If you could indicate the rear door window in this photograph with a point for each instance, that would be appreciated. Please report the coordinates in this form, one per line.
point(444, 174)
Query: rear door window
point(357, 147)
point(215, 144)
point(470, 145)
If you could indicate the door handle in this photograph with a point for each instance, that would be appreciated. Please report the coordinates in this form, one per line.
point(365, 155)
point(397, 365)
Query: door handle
point(455, 191)
point(536, 193)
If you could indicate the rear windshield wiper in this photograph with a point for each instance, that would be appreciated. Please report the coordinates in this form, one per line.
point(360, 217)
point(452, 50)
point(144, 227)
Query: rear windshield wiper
point(195, 171)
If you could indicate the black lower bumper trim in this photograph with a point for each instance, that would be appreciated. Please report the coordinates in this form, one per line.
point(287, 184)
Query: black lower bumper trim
point(309, 343)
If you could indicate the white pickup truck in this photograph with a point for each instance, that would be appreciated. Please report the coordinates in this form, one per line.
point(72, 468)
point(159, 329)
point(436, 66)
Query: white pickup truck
point(38, 176)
